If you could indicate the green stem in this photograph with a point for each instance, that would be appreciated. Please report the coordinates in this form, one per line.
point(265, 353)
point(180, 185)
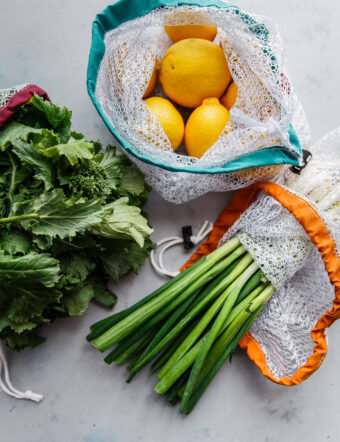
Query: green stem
point(134, 350)
point(205, 297)
point(144, 328)
point(161, 360)
point(263, 298)
point(172, 394)
point(191, 292)
point(175, 372)
point(234, 325)
point(208, 295)
point(225, 338)
point(243, 272)
point(243, 305)
point(100, 327)
point(138, 317)
point(14, 170)
point(215, 368)
point(207, 343)
point(18, 218)
point(253, 282)
point(169, 323)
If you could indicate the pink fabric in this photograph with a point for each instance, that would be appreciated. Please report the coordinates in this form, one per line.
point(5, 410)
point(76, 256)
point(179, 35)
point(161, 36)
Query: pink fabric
point(19, 99)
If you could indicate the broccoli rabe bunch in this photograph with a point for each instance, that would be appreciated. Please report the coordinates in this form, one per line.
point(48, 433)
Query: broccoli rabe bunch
point(70, 218)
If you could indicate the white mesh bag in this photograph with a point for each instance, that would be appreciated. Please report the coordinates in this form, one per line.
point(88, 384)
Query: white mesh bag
point(268, 121)
point(293, 233)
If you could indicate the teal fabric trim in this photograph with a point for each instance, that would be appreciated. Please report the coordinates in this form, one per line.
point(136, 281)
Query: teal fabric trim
point(294, 140)
point(125, 10)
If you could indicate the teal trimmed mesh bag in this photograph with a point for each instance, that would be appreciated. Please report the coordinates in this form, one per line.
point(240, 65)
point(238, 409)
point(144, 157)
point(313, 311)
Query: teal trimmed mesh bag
point(267, 127)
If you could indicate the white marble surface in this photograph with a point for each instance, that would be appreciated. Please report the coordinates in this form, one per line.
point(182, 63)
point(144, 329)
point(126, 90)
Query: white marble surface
point(47, 43)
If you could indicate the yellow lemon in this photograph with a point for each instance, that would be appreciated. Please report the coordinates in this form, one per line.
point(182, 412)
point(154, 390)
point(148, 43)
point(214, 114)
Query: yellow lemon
point(153, 80)
point(204, 126)
point(229, 98)
point(180, 32)
point(187, 23)
point(192, 70)
point(170, 119)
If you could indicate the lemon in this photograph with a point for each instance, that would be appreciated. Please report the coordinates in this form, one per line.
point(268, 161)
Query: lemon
point(170, 119)
point(153, 80)
point(192, 70)
point(180, 32)
point(204, 126)
point(229, 98)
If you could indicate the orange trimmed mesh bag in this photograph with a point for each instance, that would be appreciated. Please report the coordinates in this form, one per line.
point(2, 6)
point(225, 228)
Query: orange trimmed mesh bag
point(293, 233)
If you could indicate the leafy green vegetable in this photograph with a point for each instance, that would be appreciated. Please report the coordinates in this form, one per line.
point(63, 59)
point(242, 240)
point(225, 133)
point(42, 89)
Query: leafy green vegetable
point(121, 220)
point(124, 256)
point(70, 218)
point(77, 301)
point(15, 242)
point(73, 150)
point(30, 156)
point(30, 268)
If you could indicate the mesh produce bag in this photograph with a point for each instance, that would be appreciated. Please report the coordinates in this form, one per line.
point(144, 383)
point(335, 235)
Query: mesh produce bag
point(295, 239)
point(268, 123)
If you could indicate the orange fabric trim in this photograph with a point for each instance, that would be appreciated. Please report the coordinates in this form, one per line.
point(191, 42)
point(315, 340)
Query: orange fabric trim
point(317, 230)
point(241, 201)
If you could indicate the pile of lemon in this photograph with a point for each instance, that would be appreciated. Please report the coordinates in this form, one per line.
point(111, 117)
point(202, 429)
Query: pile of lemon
point(193, 73)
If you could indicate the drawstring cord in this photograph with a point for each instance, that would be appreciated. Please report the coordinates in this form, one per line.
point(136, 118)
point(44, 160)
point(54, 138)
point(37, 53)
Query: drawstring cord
point(9, 388)
point(5, 381)
point(173, 241)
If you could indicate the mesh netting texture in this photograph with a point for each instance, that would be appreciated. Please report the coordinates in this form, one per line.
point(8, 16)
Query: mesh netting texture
point(7, 94)
point(291, 262)
point(265, 108)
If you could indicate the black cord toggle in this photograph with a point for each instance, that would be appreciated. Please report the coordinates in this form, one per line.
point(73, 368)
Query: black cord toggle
point(307, 156)
point(187, 233)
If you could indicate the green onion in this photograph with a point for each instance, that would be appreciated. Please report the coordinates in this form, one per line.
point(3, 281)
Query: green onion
point(192, 338)
point(191, 324)
point(206, 345)
point(214, 369)
point(208, 294)
point(100, 327)
point(131, 322)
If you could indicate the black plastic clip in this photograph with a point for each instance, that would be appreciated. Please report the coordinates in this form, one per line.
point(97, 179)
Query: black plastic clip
point(187, 233)
point(307, 156)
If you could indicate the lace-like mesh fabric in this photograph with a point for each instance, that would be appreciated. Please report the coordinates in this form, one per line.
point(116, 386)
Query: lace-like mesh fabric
point(320, 180)
point(291, 262)
point(284, 327)
point(266, 103)
point(275, 239)
point(7, 94)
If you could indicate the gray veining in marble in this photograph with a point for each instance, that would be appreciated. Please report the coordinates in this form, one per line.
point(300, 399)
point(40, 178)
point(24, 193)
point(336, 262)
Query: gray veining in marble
point(47, 43)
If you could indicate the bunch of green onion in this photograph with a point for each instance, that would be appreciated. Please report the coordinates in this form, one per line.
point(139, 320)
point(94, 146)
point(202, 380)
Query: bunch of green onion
point(191, 325)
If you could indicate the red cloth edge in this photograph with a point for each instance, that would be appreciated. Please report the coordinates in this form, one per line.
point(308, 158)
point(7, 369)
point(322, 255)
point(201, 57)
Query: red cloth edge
point(18, 99)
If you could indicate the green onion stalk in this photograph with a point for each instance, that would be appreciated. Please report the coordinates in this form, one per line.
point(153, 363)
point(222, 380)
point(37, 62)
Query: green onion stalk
point(190, 326)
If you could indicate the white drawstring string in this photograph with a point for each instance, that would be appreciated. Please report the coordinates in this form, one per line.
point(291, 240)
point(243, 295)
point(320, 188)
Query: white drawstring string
point(173, 241)
point(9, 388)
